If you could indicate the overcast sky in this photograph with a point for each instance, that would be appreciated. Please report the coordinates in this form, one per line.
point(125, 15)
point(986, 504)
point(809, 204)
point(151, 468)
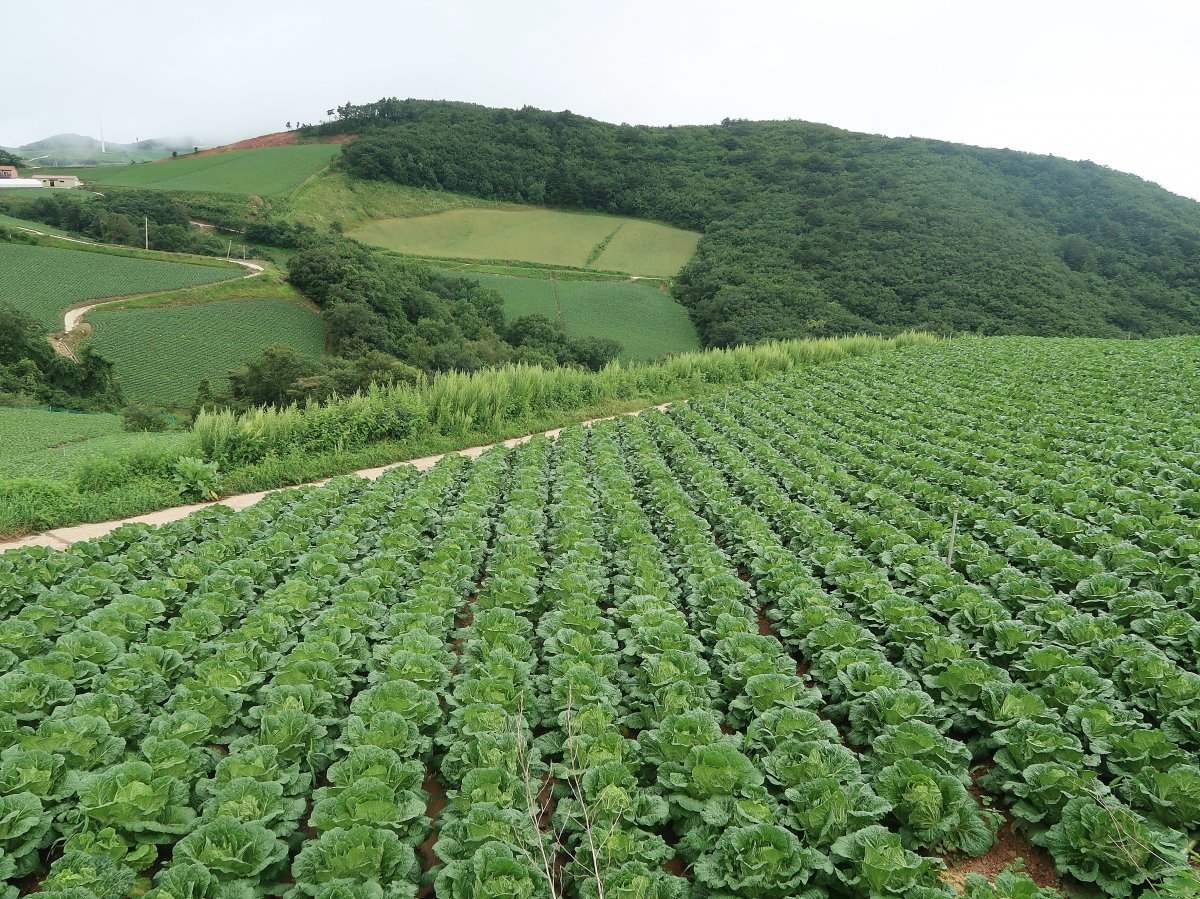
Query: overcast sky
point(1114, 81)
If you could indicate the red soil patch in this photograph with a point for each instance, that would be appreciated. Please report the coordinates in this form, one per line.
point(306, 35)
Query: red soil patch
point(437, 802)
point(278, 139)
point(1009, 846)
point(676, 866)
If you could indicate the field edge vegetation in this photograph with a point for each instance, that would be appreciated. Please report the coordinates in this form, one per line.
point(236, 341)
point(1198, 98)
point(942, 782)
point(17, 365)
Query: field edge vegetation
point(274, 447)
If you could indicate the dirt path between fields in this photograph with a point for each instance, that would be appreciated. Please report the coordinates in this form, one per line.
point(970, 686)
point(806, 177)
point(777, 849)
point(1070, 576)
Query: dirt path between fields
point(62, 538)
point(73, 317)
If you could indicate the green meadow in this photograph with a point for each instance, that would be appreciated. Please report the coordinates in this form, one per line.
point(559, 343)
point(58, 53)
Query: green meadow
point(545, 236)
point(335, 197)
point(262, 172)
point(641, 315)
point(50, 444)
point(12, 221)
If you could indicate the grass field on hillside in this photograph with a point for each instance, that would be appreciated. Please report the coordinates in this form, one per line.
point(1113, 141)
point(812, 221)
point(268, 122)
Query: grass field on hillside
point(10, 221)
point(646, 320)
point(41, 443)
point(263, 172)
point(538, 235)
point(43, 281)
point(335, 197)
point(161, 354)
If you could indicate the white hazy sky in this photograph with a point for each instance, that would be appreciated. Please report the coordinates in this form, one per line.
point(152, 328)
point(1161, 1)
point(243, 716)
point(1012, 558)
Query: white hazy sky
point(1114, 81)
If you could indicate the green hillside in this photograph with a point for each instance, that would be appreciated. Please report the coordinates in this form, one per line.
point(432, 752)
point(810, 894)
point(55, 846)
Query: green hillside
point(812, 229)
point(645, 320)
point(161, 354)
point(43, 281)
point(12, 221)
point(538, 235)
point(272, 170)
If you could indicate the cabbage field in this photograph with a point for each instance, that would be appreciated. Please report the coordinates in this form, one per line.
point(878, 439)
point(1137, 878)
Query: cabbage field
point(820, 637)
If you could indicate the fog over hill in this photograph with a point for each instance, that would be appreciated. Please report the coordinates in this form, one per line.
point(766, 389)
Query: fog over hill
point(81, 149)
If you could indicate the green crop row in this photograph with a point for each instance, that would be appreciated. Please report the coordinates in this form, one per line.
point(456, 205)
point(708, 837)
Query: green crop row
point(817, 637)
point(44, 281)
point(161, 354)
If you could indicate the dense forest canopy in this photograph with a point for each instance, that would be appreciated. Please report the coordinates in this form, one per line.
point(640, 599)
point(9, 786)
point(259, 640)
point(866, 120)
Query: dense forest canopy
point(810, 229)
point(31, 372)
point(119, 216)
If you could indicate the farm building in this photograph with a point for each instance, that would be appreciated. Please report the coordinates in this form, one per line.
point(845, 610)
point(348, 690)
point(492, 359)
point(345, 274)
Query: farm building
point(8, 171)
point(58, 181)
point(12, 183)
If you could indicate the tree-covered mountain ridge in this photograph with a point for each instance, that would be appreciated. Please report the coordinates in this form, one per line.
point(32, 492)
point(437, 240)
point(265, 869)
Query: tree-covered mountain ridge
point(813, 230)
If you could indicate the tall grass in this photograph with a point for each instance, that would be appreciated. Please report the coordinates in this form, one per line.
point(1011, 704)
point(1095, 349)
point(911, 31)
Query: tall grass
point(496, 400)
point(268, 448)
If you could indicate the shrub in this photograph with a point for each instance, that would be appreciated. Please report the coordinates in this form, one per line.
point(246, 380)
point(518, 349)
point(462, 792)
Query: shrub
point(140, 418)
point(195, 478)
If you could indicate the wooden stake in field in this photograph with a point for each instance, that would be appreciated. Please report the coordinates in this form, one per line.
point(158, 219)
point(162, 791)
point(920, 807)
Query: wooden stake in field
point(953, 535)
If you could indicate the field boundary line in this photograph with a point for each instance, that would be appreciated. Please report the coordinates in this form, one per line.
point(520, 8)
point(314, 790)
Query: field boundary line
point(65, 537)
point(558, 313)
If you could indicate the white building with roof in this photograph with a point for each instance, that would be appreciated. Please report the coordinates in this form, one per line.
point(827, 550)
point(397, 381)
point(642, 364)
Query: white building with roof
point(58, 181)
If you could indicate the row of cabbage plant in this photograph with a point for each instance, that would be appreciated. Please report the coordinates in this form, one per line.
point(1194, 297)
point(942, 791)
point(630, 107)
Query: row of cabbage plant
point(1014, 506)
point(257, 832)
point(1110, 430)
point(490, 832)
point(121, 736)
point(974, 696)
point(606, 810)
point(813, 829)
point(1143, 705)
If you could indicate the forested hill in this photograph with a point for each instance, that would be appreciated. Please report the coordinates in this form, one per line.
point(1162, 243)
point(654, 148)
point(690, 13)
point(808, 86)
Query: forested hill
point(809, 229)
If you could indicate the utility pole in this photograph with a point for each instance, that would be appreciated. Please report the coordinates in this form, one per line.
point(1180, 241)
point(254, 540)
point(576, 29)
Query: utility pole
point(229, 250)
point(146, 225)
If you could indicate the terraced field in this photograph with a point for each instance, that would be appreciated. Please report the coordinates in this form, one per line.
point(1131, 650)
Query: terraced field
point(162, 353)
point(646, 320)
point(538, 235)
point(263, 172)
point(789, 643)
point(43, 281)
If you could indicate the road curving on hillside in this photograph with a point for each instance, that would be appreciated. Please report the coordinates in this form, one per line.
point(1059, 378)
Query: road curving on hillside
point(65, 537)
point(73, 317)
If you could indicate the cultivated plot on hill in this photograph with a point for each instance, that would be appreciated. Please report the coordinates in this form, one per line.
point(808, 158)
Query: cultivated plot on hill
point(43, 281)
point(337, 197)
point(48, 444)
point(791, 601)
point(644, 319)
point(161, 354)
point(262, 172)
point(539, 235)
